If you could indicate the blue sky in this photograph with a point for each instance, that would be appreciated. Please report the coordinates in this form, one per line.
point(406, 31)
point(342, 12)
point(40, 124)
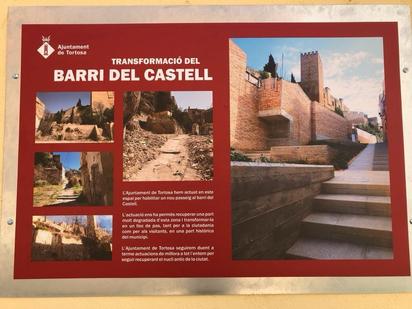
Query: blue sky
point(56, 101)
point(352, 67)
point(70, 160)
point(104, 222)
point(194, 99)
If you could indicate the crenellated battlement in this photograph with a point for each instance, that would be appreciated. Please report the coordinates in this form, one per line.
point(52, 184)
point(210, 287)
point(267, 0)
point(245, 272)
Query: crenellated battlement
point(315, 52)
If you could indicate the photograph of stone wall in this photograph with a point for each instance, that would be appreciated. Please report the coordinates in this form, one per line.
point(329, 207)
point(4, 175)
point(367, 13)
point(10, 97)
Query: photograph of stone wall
point(74, 117)
point(168, 135)
point(71, 238)
point(309, 161)
point(73, 179)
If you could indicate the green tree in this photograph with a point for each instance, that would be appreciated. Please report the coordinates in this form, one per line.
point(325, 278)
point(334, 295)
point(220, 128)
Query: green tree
point(372, 130)
point(339, 111)
point(271, 66)
point(59, 116)
point(264, 74)
point(42, 158)
point(182, 118)
point(163, 101)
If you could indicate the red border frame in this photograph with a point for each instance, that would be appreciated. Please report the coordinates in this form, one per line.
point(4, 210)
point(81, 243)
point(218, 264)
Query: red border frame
point(209, 42)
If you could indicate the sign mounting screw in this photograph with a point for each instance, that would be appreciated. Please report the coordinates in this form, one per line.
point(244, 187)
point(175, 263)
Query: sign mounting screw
point(405, 70)
point(10, 221)
point(15, 76)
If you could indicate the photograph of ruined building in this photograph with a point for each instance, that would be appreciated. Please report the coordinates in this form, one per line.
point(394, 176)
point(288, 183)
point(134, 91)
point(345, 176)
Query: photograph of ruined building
point(74, 117)
point(168, 135)
point(309, 162)
point(71, 238)
point(72, 179)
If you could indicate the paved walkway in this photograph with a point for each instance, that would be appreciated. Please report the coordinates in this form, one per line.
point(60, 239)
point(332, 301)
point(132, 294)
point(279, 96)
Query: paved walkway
point(363, 168)
point(373, 158)
point(364, 160)
point(171, 165)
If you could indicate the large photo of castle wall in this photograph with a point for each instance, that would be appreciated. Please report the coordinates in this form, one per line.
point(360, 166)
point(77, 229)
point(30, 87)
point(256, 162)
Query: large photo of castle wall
point(73, 179)
point(309, 149)
point(168, 136)
point(71, 238)
point(67, 117)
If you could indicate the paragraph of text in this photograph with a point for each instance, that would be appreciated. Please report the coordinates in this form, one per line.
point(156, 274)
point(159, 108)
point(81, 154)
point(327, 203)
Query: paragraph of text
point(132, 198)
point(140, 226)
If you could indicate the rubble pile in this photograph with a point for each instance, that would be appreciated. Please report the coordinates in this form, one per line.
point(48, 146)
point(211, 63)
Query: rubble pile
point(69, 241)
point(103, 236)
point(140, 146)
point(201, 155)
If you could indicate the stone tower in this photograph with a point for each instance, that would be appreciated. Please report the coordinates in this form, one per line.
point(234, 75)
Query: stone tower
point(311, 72)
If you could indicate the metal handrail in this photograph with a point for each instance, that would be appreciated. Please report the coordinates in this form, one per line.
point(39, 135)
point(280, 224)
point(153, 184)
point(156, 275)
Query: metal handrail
point(253, 79)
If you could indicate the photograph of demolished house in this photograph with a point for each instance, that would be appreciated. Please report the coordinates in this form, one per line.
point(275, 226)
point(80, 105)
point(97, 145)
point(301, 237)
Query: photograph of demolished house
point(72, 179)
point(66, 117)
point(71, 238)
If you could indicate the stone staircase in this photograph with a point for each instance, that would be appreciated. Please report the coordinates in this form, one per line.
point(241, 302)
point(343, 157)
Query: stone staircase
point(350, 219)
point(380, 160)
point(67, 197)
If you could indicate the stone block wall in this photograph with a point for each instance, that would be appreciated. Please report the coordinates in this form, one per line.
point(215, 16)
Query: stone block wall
point(297, 104)
point(53, 175)
point(42, 237)
point(269, 94)
point(237, 69)
point(356, 118)
point(250, 131)
point(162, 125)
point(40, 111)
point(326, 124)
point(331, 102)
point(247, 132)
point(131, 103)
point(269, 202)
point(101, 100)
point(319, 154)
point(97, 177)
point(364, 137)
